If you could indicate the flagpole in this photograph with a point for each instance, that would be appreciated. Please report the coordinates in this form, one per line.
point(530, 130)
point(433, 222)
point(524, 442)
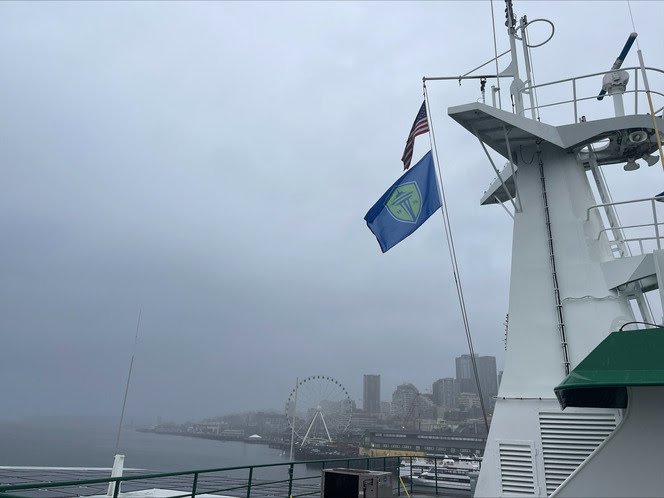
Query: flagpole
point(131, 365)
point(452, 252)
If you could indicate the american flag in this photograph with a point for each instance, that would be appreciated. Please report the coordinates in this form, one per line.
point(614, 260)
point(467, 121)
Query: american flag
point(421, 125)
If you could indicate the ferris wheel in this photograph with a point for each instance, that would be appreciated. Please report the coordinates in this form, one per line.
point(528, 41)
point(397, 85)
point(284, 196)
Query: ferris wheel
point(318, 409)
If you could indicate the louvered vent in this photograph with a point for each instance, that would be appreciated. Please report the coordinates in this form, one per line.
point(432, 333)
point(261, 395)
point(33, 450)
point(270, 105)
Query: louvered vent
point(568, 439)
point(516, 468)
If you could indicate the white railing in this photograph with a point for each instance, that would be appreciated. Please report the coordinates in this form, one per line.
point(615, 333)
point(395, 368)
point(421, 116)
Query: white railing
point(585, 89)
point(646, 236)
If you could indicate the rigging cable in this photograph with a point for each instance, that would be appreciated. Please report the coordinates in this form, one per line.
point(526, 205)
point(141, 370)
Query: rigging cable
point(495, 54)
point(629, 6)
point(647, 87)
point(453, 259)
point(654, 122)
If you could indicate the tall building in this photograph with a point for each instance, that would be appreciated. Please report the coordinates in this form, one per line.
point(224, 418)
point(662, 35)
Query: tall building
point(403, 400)
point(446, 393)
point(424, 408)
point(486, 370)
point(371, 394)
point(410, 406)
point(464, 374)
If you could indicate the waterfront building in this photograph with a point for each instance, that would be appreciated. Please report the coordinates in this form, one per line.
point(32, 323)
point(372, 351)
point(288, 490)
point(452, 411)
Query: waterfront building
point(237, 434)
point(446, 393)
point(384, 442)
point(361, 420)
point(371, 394)
point(206, 428)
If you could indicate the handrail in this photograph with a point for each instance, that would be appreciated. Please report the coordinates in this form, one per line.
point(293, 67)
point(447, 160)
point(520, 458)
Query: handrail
point(575, 100)
point(644, 225)
point(5, 490)
point(654, 224)
point(591, 75)
point(634, 201)
point(195, 488)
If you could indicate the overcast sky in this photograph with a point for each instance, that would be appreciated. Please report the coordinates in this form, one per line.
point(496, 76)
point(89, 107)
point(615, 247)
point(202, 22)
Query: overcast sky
point(211, 163)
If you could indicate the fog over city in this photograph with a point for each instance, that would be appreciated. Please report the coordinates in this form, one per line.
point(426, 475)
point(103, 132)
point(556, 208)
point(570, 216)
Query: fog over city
point(209, 165)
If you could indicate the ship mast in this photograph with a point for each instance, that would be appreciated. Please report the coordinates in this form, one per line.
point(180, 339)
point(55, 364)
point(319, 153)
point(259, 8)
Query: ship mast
point(572, 285)
point(516, 88)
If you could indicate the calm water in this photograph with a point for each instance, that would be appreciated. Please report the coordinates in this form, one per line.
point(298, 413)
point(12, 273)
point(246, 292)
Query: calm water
point(87, 442)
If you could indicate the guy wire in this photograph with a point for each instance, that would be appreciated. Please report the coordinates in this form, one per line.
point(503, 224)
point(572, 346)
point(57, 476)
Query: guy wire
point(629, 6)
point(453, 258)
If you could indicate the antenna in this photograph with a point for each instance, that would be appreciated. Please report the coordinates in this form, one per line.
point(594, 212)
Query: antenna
point(510, 18)
point(517, 85)
point(618, 64)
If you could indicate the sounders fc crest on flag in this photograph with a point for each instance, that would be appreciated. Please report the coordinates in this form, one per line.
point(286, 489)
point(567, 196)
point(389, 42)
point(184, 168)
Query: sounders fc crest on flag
point(405, 202)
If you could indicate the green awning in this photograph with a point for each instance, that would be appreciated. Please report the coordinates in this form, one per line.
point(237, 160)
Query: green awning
point(628, 358)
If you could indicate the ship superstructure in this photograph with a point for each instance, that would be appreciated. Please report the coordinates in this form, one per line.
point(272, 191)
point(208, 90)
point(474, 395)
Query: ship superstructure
point(578, 279)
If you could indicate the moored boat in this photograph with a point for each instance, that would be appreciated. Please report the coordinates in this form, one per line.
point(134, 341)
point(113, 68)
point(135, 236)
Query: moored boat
point(444, 479)
point(412, 467)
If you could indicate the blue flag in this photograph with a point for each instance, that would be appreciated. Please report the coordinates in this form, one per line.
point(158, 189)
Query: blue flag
point(406, 205)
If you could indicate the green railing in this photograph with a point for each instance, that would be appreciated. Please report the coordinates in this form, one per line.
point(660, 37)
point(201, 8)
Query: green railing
point(239, 481)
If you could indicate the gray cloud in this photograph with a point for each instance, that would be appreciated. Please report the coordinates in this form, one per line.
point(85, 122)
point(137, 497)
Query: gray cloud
point(211, 163)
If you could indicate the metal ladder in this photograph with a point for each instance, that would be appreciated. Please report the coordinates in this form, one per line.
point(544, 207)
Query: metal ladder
point(554, 275)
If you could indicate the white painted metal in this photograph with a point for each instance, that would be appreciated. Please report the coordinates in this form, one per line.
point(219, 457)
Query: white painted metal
point(292, 437)
point(516, 467)
point(118, 465)
point(629, 462)
point(569, 438)
point(615, 84)
point(319, 413)
point(567, 293)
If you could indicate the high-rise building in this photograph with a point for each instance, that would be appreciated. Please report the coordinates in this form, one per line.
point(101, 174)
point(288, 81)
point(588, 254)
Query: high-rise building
point(486, 371)
point(403, 400)
point(464, 374)
point(424, 408)
point(371, 394)
point(446, 393)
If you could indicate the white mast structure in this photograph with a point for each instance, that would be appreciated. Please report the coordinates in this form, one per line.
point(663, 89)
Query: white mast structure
point(572, 284)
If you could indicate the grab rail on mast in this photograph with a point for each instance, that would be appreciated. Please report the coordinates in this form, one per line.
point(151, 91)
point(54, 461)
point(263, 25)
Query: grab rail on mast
point(573, 81)
point(655, 235)
point(575, 100)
